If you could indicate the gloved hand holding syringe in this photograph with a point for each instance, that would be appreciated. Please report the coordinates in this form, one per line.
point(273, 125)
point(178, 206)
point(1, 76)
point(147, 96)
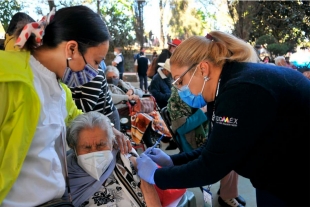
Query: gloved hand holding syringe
point(156, 143)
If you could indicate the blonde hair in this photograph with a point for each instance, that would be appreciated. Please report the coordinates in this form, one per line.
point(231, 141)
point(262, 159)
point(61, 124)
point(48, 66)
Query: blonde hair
point(218, 48)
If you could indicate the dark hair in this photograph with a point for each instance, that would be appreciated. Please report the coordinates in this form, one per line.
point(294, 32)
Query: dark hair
point(141, 53)
point(18, 18)
point(119, 49)
point(267, 57)
point(77, 23)
point(141, 48)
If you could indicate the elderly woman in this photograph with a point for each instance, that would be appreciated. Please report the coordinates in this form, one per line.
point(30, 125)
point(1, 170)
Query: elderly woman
point(100, 175)
point(120, 90)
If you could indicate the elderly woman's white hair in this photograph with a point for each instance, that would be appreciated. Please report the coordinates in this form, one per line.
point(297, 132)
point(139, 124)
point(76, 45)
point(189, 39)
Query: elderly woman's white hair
point(279, 60)
point(88, 120)
point(111, 68)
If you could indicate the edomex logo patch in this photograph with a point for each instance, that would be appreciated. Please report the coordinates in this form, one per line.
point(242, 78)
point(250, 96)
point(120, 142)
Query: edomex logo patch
point(227, 121)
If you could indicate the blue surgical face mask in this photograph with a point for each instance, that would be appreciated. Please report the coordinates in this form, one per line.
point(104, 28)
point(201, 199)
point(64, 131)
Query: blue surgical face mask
point(113, 81)
point(73, 79)
point(194, 101)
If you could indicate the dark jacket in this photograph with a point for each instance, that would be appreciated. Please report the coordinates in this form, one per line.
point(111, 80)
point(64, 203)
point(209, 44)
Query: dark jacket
point(160, 89)
point(260, 130)
point(164, 55)
point(143, 64)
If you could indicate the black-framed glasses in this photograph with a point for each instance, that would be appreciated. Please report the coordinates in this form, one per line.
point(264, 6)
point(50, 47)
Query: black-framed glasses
point(177, 83)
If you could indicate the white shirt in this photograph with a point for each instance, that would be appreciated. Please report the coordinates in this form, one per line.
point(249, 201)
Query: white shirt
point(41, 178)
point(118, 58)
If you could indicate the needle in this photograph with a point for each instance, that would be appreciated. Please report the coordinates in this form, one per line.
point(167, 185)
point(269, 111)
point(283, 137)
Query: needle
point(156, 143)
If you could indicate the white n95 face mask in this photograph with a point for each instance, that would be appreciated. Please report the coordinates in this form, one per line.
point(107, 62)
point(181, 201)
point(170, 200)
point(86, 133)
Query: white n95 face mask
point(95, 163)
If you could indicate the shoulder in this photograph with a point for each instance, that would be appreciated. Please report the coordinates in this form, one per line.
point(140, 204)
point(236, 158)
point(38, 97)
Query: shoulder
point(16, 64)
point(156, 77)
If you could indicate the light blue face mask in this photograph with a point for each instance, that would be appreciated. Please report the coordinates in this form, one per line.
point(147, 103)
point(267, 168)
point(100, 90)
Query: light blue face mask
point(194, 101)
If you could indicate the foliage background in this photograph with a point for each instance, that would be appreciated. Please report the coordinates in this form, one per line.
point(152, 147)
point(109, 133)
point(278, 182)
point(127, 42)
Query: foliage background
point(279, 26)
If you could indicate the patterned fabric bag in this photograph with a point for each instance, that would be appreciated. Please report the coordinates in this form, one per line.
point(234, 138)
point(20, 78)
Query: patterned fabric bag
point(144, 105)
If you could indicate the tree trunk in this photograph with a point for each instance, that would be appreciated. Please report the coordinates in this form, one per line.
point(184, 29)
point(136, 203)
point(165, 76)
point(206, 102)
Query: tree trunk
point(51, 4)
point(138, 21)
point(98, 7)
point(161, 9)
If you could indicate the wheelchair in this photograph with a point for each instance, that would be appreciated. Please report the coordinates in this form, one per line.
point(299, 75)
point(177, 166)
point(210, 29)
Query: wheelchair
point(126, 113)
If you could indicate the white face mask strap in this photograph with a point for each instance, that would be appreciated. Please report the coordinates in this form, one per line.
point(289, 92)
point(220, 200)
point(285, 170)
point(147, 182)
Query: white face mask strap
point(190, 80)
point(205, 79)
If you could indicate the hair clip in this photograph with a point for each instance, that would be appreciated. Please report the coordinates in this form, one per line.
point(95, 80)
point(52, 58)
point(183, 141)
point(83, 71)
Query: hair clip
point(209, 37)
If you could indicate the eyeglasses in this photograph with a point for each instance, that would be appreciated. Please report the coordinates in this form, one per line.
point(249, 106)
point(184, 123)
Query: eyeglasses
point(178, 82)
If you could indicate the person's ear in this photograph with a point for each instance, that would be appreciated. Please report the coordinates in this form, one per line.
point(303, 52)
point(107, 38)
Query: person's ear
point(204, 68)
point(72, 49)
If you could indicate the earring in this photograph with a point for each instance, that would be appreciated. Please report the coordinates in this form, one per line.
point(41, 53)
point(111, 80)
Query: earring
point(206, 78)
point(69, 58)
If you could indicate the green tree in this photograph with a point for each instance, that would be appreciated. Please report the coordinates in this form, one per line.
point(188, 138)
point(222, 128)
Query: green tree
point(278, 49)
point(243, 14)
point(7, 10)
point(287, 21)
point(186, 20)
point(117, 14)
point(266, 40)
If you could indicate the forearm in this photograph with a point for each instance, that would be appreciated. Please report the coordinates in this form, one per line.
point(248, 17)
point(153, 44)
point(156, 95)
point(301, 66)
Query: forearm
point(150, 194)
point(199, 169)
point(117, 98)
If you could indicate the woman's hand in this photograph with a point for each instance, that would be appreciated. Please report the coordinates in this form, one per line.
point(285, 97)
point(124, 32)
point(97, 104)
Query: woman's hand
point(130, 92)
point(133, 97)
point(123, 143)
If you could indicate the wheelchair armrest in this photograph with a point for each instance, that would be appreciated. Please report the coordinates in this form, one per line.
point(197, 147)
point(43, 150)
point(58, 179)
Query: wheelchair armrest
point(146, 95)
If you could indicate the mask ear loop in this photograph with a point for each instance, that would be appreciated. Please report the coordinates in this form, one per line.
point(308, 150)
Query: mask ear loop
point(190, 80)
point(75, 152)
point(205, 79)
point(68, 59)
point(84, 59)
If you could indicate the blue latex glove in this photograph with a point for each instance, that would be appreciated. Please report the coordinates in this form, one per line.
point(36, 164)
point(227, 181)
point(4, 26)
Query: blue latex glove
point(146, 168)
point(159, 156)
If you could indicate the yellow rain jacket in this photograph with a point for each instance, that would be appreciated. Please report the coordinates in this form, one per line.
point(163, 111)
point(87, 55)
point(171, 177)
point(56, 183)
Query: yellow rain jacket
point(19, 115)
point(9, 43)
